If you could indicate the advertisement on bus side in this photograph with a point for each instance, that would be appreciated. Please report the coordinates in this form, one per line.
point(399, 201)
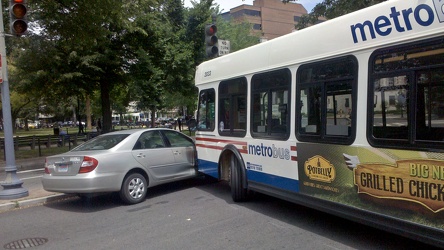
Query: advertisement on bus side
point(374, 179)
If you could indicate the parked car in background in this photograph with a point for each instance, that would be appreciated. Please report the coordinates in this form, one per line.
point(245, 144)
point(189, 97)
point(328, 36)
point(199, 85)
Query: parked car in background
point(68, 124)
point(126, 161)
point(33, 125)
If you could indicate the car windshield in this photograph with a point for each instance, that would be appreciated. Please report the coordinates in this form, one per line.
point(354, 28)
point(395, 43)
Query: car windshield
point(101, 143)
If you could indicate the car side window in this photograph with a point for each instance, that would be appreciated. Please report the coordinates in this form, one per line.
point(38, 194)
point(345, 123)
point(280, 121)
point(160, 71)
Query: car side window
point(178, 140)
point(149, 139)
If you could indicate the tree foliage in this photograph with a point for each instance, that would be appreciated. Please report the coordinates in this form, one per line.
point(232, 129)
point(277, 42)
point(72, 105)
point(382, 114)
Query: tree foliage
point(195, 19)
point(238, 32)
point(123, 50)
point(112, 52)
point(77, 51)
point(331, 9)
point(164, 62)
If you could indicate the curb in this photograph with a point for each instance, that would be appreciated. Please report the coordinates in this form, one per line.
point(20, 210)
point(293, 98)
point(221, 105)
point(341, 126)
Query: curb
point(32, 202)
point(26, 164)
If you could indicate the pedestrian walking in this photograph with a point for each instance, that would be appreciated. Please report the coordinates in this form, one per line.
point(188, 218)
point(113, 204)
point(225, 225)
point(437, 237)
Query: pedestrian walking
point(81, 127)
point(179, 124)
point(99, 126)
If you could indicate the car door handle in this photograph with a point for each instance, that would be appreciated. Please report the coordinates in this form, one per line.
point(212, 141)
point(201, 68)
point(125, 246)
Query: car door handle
point(176, 153)
point(141, 155)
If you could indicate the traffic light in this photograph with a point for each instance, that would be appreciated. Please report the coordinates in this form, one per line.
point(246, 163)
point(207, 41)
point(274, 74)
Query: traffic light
point(17, 14)
point(211, 40)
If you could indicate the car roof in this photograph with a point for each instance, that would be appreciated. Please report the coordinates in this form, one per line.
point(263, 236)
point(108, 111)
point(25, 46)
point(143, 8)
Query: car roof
point(139, 131)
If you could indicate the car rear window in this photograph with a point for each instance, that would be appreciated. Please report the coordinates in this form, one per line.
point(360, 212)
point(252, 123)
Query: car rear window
point(102, 142)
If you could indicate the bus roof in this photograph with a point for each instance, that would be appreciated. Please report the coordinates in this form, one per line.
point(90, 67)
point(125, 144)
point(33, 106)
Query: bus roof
point(386, 23)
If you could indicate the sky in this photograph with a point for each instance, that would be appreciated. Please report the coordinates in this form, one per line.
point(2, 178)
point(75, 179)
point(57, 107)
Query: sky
point(226, 5)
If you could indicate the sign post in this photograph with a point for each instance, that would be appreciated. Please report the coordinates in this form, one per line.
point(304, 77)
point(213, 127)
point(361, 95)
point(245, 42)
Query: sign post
point(1, 70)
point(12, 185)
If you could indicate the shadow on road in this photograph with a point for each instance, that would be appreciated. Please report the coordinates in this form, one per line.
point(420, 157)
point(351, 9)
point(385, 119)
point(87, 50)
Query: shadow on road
point(353, 234)
point(100, 202)
point(280, 212)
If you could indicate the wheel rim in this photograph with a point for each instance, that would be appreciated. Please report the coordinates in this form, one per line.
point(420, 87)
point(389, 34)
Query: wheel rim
point(136, 188)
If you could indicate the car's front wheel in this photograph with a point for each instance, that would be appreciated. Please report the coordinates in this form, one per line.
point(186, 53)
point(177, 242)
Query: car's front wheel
point(134, 188)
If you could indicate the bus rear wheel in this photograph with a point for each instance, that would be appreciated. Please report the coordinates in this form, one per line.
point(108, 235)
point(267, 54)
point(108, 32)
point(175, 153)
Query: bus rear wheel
point(238, 192)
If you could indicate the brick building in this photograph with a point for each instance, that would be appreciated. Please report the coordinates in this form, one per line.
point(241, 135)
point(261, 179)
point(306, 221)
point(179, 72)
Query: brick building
point(270, 17)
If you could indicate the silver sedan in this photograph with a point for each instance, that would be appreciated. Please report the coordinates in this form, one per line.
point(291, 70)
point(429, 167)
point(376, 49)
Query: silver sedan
point(127, 161)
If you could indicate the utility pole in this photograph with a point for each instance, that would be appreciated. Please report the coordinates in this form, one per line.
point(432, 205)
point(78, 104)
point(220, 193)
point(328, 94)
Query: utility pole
point(12, 185)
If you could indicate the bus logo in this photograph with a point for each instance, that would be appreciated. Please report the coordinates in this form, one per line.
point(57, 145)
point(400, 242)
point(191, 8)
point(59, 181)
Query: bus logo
point(319, 169)
point(397, 21)
point(267, 151)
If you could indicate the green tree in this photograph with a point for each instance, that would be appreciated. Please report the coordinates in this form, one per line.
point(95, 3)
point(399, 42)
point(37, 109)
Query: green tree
point(27, 80)
point(239, 33)
point(165, 65)
point(196, 19)
point(136, 50)
point(81, 47)
point(331, 9)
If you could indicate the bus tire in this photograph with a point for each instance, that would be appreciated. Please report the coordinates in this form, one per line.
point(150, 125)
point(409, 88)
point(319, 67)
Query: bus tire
point(238, 192)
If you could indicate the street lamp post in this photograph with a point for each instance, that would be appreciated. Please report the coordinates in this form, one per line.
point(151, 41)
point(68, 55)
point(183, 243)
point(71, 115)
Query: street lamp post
point(12, 185)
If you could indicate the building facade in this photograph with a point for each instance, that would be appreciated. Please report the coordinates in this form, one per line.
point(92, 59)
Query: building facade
point(271, 18)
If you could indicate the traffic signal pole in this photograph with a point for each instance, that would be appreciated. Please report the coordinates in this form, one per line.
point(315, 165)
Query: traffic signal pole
point(12, 185)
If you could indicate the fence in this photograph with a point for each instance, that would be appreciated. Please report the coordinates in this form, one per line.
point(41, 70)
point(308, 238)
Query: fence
point(31, 142)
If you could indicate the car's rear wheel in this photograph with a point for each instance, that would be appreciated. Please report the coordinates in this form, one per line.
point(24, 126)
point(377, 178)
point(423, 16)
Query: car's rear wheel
point(134, 188)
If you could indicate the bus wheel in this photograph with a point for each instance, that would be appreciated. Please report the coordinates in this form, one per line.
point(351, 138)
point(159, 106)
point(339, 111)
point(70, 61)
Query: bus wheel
point(238, 192)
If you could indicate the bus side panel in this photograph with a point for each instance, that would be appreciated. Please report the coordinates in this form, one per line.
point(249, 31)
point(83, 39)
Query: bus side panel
point(271, 164)
point(408, 185)
point(208, 151)
point(209, 168)
point(255, 177)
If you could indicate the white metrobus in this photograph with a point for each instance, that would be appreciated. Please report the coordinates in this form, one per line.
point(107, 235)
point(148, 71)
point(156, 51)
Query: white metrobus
point(346, 117)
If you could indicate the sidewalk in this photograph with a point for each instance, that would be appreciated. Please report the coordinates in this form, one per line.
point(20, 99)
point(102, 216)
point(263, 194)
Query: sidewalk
point(37, 195)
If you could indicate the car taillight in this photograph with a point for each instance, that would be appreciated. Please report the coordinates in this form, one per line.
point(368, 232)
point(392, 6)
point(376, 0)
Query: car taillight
point(88, 165)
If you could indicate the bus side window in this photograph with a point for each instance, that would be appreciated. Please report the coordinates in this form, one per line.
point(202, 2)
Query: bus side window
point(310, 119)
point(407, 84)
point(390, 115)
point(430, 118)
point(326, 94)
point(270, 101)
point(232, 110)
point(206, 110)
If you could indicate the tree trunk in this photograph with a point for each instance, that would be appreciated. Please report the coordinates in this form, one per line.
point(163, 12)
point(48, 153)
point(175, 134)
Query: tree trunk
point(153, 116)
point(106, 107)
point(88, 112)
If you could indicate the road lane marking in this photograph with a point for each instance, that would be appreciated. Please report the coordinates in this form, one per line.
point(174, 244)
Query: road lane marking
point(28, 178)
point(29, 171)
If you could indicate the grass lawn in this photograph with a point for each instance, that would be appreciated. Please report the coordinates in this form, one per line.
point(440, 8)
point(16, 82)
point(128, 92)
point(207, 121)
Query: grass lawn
point(41, 131)
point(33, 153)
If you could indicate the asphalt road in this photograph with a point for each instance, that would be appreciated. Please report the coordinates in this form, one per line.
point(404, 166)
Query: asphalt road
point(193, 214)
